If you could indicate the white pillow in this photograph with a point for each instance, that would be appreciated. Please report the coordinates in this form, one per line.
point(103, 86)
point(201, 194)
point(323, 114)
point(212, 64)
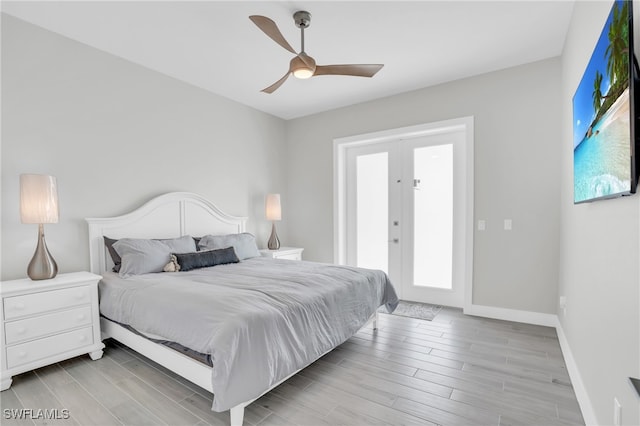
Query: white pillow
point(244, 244)
point(142, 256)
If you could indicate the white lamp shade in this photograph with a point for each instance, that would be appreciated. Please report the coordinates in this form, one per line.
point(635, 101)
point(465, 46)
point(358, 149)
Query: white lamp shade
point(272, 209)
point(38, 199)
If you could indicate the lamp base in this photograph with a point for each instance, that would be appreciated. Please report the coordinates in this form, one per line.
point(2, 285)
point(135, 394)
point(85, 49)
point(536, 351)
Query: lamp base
point(274, 242)
point(42, 265)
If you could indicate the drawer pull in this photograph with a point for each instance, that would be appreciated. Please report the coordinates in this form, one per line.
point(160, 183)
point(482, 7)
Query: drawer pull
point(18, 305)
point(79, 296)
point(22, 354)
point(21, 330)
point(82, 338)
point(81, 317)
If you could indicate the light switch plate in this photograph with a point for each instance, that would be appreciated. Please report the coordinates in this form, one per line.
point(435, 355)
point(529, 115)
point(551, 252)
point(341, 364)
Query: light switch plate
point(508, 225)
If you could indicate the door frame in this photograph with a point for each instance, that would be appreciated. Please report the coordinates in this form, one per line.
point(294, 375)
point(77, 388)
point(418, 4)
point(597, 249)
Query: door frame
point(340, 146)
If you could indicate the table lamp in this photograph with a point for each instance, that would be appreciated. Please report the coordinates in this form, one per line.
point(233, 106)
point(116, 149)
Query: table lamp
point(273, 213)
point(39, 204)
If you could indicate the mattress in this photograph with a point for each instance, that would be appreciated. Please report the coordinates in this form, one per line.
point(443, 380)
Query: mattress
point(195, 355)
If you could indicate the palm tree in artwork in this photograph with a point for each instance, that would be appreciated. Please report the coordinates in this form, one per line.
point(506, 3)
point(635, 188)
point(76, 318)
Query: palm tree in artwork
point(597, 91)
point(617, 59)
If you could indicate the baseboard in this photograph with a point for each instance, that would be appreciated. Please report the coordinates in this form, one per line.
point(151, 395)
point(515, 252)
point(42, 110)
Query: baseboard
point(588, 412)
point(548, 320)
point(528, 317)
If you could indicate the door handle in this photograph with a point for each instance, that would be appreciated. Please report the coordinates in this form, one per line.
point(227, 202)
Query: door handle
point(395, 240)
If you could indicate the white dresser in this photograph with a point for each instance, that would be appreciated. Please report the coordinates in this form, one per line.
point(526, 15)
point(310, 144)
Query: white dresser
point(291, 253)
point(48, 321)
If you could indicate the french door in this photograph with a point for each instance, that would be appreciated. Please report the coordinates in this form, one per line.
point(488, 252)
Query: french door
point(405, 214)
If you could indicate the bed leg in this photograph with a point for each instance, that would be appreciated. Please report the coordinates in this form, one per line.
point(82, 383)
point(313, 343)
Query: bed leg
point(237, 415)
point(375, 321)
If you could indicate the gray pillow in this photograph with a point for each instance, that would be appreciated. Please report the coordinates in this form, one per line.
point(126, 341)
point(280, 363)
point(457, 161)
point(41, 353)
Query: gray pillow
point(109, 242)
point(142, 256)
point(244, 244)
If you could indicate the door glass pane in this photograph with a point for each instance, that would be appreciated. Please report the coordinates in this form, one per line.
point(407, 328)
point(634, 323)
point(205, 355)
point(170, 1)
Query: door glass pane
point(433, 216)
point(372, 189)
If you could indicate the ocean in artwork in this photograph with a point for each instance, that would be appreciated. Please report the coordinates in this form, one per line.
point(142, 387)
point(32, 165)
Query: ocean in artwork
point(602, 160)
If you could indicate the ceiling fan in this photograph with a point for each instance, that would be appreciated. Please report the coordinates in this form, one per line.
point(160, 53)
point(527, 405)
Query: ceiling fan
point(303, 65)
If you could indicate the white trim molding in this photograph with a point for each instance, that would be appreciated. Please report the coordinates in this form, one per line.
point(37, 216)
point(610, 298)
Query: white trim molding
point(588, 413)
point(515, 315)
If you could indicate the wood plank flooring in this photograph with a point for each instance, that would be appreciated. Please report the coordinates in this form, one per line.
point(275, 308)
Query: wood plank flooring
point(455, 370)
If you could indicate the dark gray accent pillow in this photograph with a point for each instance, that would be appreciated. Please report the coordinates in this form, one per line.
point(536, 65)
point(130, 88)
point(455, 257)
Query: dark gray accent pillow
point(244, 244)
point(117, 261)
point(204, 259)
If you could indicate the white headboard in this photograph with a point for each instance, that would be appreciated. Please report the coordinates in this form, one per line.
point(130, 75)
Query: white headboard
point(168, 216)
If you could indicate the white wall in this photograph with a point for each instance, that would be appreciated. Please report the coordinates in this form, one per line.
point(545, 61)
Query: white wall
point(600, 253)
point(517, 169)
point(115, 135)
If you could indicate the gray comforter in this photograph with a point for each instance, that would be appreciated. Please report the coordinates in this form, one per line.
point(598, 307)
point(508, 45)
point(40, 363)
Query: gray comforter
point(260, 320)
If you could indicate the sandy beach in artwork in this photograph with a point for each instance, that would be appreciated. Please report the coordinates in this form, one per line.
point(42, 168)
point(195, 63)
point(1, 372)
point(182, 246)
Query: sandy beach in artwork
point(618, 111)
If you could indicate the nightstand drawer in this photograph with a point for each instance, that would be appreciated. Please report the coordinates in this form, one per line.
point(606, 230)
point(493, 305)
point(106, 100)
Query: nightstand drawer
point(287, 253)
point(292, 256)
point(31, 328)
point(29, 304)
point(49, 346)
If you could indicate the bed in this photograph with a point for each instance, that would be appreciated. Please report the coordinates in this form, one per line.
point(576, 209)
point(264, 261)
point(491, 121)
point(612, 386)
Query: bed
point(257, 321)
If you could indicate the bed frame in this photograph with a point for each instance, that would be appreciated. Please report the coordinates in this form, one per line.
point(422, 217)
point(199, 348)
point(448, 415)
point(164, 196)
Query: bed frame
point(168, 216)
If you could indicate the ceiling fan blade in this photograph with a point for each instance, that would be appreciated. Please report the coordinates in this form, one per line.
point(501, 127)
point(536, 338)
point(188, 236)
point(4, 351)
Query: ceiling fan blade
point(362, 70)
point(271, 29)
point(277, 84)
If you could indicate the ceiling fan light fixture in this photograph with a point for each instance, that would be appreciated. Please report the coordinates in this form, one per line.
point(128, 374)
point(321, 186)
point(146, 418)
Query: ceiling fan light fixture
point(302, 67)
point(303, 73)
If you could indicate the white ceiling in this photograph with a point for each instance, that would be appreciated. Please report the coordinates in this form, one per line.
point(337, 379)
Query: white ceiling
point(213, 44)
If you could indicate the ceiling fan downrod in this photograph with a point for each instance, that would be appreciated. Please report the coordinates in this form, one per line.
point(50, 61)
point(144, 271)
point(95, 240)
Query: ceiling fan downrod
point(302, 18)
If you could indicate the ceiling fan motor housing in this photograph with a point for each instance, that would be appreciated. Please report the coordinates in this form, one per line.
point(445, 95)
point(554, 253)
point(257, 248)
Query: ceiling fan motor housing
point(302, 18)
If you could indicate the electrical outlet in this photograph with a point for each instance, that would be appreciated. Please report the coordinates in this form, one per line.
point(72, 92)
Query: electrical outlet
point(617, 412)
point(508, 225)
point(482, 225)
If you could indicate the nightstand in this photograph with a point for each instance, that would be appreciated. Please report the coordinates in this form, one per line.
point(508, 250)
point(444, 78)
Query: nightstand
point(48, 321)
point(290, 253)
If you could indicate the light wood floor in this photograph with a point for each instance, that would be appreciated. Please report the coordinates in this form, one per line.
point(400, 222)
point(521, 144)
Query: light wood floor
point(455, 370)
